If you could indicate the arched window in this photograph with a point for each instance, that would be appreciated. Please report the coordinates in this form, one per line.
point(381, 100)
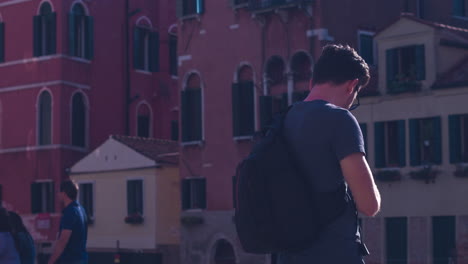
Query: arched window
point(224, 253)
point(301, 67)
point(45, 118)
point(2, 41)
point(45, 31)
point(143, 121)
point(78, 121)
point(243, 107)
point(81, 31)
point(275, 70)
point(191, 114)
point(145, 48)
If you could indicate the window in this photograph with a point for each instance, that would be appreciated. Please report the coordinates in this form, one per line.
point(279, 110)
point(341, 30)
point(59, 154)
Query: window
point(443, 239)
point(86, 198)
point(366, 46)
point(175, 130)
point(239, 2)
point(243, 113)
point(45, 31)
point(45, 118)
point(396, 240)
point(459, 8)
point(405, 68)
point(458, 138)
point(2, 42)
point(191, 110)
point(173, 61)
point(271, 105)
point(80, 35)
point(390, 144)
point(194, 193)
point(144, 121)
point(42, 197)
point(426, 143)
point(364, 135)
point(275, 70)
point(146, 49)
point(135, 197)
point(190, 7)
point(301, 67)
point(420, 9)
point(78, 121)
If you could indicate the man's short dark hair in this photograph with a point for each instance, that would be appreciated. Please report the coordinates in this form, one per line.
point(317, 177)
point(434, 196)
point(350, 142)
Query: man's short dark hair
point(339, 64)
point(70, 188)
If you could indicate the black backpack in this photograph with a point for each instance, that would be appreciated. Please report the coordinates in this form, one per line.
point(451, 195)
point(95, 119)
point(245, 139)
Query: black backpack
point(276, 210)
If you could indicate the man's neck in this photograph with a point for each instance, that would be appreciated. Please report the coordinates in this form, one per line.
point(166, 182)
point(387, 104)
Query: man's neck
point(67, 202)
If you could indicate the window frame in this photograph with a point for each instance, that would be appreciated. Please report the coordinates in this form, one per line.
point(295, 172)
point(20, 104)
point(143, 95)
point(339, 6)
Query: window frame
point(86, 121)
point(382, 156)
point(45, 199)
point(417, 154)
point(90, 214)
point(374, 45)
point(136, 179)
point(192, 194)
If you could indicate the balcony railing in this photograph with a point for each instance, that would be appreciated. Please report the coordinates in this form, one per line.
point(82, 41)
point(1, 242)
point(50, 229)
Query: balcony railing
point(258, 5)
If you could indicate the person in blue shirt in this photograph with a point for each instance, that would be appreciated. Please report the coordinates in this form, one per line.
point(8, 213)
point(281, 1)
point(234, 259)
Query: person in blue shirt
point(70, 247)
point(8, 252)
point(23, 239)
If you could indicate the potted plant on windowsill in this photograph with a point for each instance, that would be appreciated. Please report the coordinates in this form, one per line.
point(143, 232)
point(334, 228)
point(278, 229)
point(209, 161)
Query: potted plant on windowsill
point(425, 173)
point(404, 83)
point(461, 170)
point(192, 220)
point(134, 219)
point(388, 175)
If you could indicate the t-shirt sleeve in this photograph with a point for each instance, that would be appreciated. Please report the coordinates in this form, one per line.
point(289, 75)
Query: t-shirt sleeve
point(347, 136)
point(68, 220)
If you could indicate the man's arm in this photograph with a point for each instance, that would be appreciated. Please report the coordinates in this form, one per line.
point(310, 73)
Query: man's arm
point(359, 177)
point(60, 245)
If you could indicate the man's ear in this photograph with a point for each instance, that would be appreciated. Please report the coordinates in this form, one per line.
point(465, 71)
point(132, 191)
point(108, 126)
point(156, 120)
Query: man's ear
point(311, 84)
point(351, 85)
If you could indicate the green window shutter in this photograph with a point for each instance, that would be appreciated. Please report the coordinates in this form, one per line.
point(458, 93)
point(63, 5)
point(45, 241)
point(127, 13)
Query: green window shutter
point(35, 198)
point(392, 66)
point(379, 132)
point(443, 238)
point(266, 110)
point(173, 61)
point(455, 138)
point(200, 6)
point(185, 115)
point(396, 236)
point(200, 193)
point(364, 135)
point(37, 36)
point(198, 118)
point(402, 143)
point(154, 52)
point(71, 35)
point(367, 48)
point(437, 140)
point(45, 119)
point(234, 185)
point(247, 109)
point(415, 144)
point(284, 102)
point(131, 198)
point(174, 130)
point(458, 8)
point(2, 42)
point(138, 48)
point(50, 194)
point(420, 63)
point(89, 41)
point(236, 117)
point(139, 196)
point(180, 8)
point(51, 33)
point(185, 194)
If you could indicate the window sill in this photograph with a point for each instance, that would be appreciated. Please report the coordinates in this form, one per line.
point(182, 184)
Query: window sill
point(239, 6)
point(174, 77)
point(193, 210)
point(199, 143)
point(78, 59)
point(243, 138)
point(191, 16)
point(461, 17)
point(144, 72)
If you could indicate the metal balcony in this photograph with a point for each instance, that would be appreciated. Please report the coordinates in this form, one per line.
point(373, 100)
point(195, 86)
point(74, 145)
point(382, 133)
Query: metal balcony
point(264, 5)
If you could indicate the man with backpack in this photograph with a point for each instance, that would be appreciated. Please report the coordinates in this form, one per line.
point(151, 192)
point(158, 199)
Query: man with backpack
point(299, 192)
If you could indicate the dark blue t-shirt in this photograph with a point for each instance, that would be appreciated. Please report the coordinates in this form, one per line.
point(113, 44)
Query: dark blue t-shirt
point(321, 134)
point(74, 219)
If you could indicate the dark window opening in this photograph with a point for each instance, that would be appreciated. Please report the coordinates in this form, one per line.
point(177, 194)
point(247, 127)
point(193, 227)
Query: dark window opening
point(426, 145)
point(396, 231)
point(42, 197)
point(78, 121)
point(173, 60)
point(459, 8)
point(458, 138)
point(224, 253)
point(175, 130)
point(135, 197)
point(86, 198)
point(444, 247)
point(45, 119)
point(301, 67)
point(81, 33)
point(366, 47)
point(405, 69)
point(243, 108)
point(390, 144)
point(190, 7)
point(191, 110)
point(2, 42)
point(45, 31)
point(146, 49)
point(275, 71)
point(143, 122)
point(194, 193)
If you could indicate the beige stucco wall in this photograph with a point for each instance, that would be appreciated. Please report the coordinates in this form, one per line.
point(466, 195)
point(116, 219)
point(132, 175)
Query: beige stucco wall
point(161, 221)
point(409, 197)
